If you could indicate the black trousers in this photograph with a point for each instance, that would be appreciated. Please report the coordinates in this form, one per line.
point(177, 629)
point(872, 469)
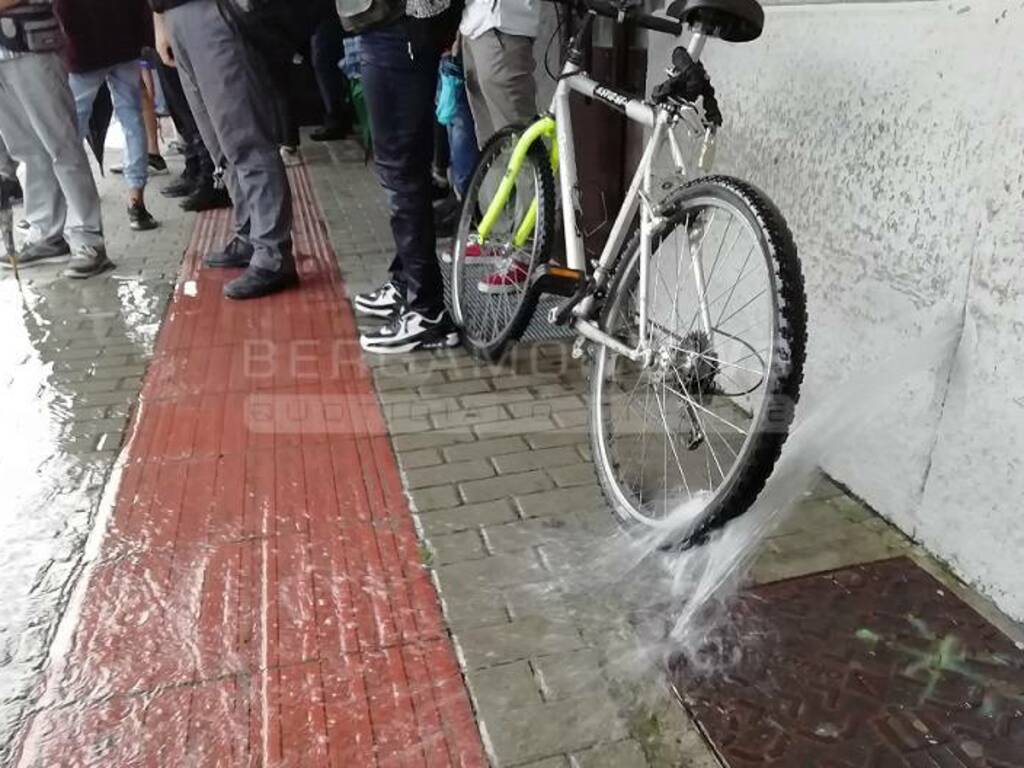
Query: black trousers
point(327, 50)
point(399, 83)
point(196, 154)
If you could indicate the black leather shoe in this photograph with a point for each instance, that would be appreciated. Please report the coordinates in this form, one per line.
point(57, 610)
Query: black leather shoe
point(184, 186)
point(236, 254)
point(206, 198)
point(332, 132)
point(256, 282)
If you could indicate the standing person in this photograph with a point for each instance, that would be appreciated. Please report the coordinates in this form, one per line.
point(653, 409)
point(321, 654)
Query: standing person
point(497, 38)
point(226, 83)
point(39, 126)
point(399, 71)
point(327, 50)
point(157, 164)
point(198, 184)
point(105, 41)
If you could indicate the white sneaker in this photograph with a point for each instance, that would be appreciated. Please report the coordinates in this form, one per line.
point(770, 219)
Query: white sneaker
point(409, 332)
point(292, 156)
point(386, 301)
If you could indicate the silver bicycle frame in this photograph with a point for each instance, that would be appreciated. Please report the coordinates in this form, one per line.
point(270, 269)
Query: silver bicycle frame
point(639, 195)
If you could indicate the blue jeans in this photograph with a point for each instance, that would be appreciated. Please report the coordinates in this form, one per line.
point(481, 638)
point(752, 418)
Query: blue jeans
point(125, 83)
point(462, 145)
point(399, 83)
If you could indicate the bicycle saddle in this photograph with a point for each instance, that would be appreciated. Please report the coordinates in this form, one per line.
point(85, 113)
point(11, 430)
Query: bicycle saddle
point(735, 21)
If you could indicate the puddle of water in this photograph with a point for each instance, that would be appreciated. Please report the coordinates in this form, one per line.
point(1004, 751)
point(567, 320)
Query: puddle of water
point(52, 466)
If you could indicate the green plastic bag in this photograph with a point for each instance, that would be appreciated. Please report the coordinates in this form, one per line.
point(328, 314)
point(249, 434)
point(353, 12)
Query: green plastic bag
point(362, 118)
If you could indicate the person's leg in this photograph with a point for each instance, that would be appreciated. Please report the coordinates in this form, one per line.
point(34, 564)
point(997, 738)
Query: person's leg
point(227, 81)
point(399, 91)
point(327, 50)
point(84, 87)
point(45, 209)
point(126, 91)
point(464, 148)
point(36, 87)
point(8, 166)
point(501, 90)
point(147, 104)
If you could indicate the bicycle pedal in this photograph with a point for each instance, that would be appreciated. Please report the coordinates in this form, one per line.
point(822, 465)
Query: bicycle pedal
point(556, 280)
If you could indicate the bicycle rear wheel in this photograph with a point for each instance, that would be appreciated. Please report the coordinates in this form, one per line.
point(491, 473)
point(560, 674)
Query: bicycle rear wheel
point(490, 302)
point(688, 439)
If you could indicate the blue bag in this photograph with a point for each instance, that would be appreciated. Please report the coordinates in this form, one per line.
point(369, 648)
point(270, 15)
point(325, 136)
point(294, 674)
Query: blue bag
point(449, 90)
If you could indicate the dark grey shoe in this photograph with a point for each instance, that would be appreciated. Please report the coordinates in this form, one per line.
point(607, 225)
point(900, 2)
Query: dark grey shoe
point(141, 220)
point(236, 254)
point(42, 252)
point(256, 282)
point(87, 262)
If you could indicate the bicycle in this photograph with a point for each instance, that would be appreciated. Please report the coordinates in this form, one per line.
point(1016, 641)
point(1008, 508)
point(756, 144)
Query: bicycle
point(692, 383)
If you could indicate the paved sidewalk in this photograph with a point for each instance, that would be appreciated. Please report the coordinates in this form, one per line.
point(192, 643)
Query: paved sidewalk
point(496, 464)
point(73, 354)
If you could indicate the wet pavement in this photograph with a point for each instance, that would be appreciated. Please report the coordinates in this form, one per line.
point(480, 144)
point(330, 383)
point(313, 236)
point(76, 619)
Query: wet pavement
point(72, 356)
point(876, 664)
point(243, 584)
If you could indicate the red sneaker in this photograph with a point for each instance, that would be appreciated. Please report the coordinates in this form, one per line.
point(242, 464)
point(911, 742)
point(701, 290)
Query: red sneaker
point(509, 279)
point(475, 253)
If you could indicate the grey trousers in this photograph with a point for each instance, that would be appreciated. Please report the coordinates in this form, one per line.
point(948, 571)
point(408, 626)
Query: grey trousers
point(8, 165)
point(39, 127)
point(499, 81)
point(232, 100)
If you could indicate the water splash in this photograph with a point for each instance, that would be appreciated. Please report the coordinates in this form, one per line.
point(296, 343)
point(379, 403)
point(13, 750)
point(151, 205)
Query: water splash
point(676, 598)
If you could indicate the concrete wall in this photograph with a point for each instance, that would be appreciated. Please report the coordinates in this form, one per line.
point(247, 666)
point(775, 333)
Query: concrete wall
point(892, 136)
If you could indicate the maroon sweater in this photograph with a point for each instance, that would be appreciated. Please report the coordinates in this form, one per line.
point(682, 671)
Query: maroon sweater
point(101, 33)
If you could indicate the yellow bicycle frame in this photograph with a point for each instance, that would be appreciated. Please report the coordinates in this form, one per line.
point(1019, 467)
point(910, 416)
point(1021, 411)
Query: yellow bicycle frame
point(544, 127)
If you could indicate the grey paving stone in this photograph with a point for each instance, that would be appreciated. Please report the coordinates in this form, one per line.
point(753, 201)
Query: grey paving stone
point(492, 572)
point(438, 497)
point(533, 636)
point(483, 449)
point(623, 754)
point(563, 675)
point(427, 457)
point(447, 474)
point(524, 534)
point(536, 459)
point(453, 388)
point(581, 473)
point(514, 427)
point(505, 486)
point(561, 501)
point(551, 762)
point(457, 547)
point(556, 439)
point(436, 439)
point(507, 397)
point(441, 522)
point(528, 733)
point(468, 610)
point(469, 417)
point(504, 687)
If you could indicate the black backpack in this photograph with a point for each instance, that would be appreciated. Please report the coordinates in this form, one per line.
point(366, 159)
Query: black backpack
point(277, 28)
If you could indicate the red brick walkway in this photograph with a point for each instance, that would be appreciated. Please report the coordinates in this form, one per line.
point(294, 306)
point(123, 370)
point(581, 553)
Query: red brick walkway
point(258, 598)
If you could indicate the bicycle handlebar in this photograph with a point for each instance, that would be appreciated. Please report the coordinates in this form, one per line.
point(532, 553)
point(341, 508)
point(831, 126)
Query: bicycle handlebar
point(614, 10)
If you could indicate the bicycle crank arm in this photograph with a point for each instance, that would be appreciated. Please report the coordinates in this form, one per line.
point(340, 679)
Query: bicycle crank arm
point(591, 332)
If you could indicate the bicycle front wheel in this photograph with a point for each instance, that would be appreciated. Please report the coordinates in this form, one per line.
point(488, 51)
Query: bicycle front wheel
point(689, 436)
point(490, 300)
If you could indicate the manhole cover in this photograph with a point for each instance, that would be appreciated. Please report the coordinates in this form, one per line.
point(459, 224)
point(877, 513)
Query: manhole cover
point(873, 666)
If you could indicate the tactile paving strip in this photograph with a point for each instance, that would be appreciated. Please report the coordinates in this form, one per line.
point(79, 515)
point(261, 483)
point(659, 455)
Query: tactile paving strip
point(874, 666)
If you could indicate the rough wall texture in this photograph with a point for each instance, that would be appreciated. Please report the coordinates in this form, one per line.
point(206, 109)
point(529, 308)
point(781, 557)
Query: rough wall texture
point(892, 136)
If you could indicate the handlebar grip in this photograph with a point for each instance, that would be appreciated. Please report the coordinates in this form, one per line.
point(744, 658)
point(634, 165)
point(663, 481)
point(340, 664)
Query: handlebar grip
point(645, 20)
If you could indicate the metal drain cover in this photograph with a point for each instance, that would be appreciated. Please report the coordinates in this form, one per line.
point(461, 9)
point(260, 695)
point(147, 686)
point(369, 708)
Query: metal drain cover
point(874, 666)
